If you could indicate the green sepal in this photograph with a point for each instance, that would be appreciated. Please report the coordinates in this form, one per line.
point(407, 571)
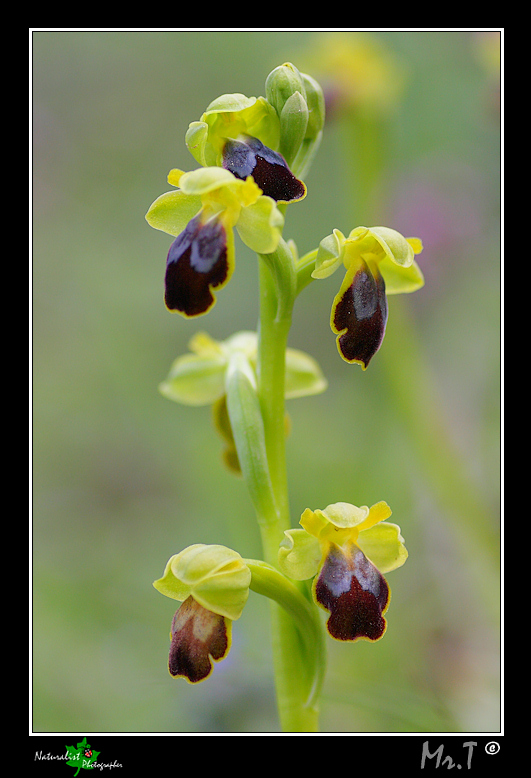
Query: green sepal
point(343, 515)
point(400, 279)
point(395, 255)
point(234, 114)
point(215, 576)
point(395, 246)
point(195, 380)
point(303, 375)
point(204, 180)
point(329, 255)
point(172, 211)
point(260, 225)
point(229, 116)
point(199, 378)
point(299, 554)
point(384, 546)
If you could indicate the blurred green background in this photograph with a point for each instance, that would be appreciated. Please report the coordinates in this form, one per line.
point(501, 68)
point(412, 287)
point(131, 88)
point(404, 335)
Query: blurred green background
point(123, 479)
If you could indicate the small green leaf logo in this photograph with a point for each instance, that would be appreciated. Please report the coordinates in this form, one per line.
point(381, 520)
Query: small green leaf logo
point(82, 756)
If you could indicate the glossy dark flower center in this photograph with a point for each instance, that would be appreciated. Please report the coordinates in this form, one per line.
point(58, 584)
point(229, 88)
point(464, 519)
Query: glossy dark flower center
point(249, 157)
point(197, 634)
point(355, 593)
point(196, 263)
point(360, 315)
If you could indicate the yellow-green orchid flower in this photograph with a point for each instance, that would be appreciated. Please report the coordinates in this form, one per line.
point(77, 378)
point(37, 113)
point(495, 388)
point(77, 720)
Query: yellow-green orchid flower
point(379, 261)
point(199, 378)
point(347, 549)
point(202, 213)
point(212, 582)
point(242, 134)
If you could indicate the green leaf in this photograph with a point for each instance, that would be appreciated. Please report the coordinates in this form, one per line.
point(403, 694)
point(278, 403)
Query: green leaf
point(248, 430)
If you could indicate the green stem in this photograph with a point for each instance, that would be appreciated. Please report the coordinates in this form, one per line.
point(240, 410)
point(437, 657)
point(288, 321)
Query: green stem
point(277, 294)
point(268, 581)
point(272, 343)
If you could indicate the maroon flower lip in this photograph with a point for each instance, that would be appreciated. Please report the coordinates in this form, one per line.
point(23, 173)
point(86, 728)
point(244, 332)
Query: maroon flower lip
point(196, 263)
point(197, 636)
point(355, 593)
point(269, 169)
point(360, 316)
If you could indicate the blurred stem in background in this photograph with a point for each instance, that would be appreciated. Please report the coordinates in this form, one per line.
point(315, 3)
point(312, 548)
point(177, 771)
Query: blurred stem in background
point(364, 142)
point(414, 395)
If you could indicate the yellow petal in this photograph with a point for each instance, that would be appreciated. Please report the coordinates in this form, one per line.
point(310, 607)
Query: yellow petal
point(379, 512)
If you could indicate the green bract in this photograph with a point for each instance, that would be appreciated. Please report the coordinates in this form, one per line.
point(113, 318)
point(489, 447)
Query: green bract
point(199, 378)
point(216, 577)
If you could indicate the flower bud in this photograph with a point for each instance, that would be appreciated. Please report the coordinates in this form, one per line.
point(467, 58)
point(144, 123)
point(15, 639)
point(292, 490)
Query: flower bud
point(281, 84)
point(314, 128)
point(316, 106)
point(285, 90)
point(293, 125)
